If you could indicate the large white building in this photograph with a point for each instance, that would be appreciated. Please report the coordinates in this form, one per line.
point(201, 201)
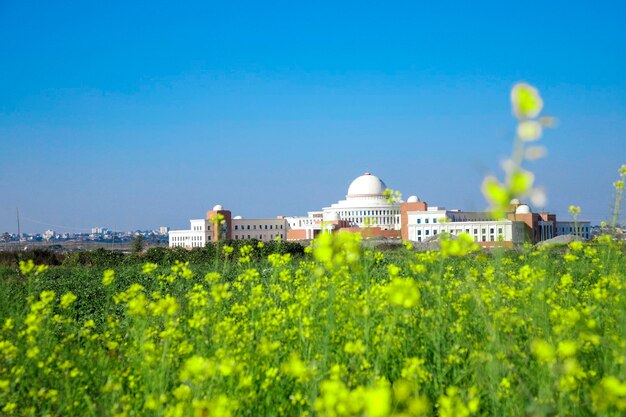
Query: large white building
point(262, 229)
point(422, 225)
point(367, 209)
point(199, 234)
point(203, 231)
point(365, 206)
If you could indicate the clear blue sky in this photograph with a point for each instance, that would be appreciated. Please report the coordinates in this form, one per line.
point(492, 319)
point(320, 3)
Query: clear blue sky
point(139, 114)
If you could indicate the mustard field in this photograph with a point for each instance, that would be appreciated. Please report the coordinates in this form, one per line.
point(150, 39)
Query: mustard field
point(344, 330)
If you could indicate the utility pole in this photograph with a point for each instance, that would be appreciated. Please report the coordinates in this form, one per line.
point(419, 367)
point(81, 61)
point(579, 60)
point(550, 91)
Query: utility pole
point(19, 230)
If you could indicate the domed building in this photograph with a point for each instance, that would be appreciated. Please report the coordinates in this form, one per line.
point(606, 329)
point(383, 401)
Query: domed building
point(365, 206)
point(367, 210)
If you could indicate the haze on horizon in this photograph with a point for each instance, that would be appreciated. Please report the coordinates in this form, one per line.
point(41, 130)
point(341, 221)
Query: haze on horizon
point(133, 116)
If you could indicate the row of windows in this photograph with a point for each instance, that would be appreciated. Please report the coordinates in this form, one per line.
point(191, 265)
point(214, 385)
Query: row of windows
point(349, 213)
point(419, 221)
point(452, 219)
point(465, 219)
point(200, 228)
point(374, 221)
point(492, 238)
point(483, 231)
point(260, 237)
point(582, 231)
point(182, 245)
point(306, 222)
point(571, 229)
point(192, 238)
point(243, 227)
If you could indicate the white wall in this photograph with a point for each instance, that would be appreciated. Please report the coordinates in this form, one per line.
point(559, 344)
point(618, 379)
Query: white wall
point(424, 224)
point(262, 229)
point(197, 236)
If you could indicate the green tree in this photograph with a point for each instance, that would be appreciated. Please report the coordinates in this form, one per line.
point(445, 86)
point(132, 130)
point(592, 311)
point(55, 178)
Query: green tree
point(138, 244)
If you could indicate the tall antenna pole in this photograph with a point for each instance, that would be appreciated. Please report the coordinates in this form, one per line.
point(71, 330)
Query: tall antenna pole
point(19, 230)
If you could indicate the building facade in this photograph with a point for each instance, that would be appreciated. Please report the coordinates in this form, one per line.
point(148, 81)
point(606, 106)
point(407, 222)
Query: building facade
point(219, 224)
point(367, 209)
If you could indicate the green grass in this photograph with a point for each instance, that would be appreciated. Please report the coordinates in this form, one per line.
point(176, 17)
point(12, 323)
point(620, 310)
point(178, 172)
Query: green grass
point(340, 332)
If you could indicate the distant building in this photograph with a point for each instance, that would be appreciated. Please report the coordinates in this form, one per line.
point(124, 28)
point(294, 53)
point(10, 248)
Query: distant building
point(579, 228)
point(49, 234)
point(520, 225)
point(203, 231)
point(367, 210)
point(163, 230)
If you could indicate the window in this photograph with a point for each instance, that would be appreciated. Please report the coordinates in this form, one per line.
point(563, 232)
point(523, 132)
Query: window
point(419, 221)
point(434, 220)
point(265, 227)
point(248, 229)
point(427, 232)
point(236, 227)
point(425, 220)
point(419, 232)
point(499, 230)
point(491, 230)
point(254, 227)
point(434, 232)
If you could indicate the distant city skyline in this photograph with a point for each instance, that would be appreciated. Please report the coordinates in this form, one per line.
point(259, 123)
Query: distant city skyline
point(136, 116)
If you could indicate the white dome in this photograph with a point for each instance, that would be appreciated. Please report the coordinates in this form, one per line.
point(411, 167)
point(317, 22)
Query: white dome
point(218, 207)
point(522, 209)
point(413, 199)
point(367, 185)
point(237, 218)
point(514, 201)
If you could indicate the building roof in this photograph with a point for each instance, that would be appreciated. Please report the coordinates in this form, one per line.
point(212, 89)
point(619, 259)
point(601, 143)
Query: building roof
point(366, 185)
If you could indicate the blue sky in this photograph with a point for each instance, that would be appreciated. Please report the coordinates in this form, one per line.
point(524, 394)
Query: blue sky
point(140, 114)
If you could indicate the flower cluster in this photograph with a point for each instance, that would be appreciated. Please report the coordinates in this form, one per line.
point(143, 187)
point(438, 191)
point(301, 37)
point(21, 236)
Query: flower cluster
point(341, 331)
